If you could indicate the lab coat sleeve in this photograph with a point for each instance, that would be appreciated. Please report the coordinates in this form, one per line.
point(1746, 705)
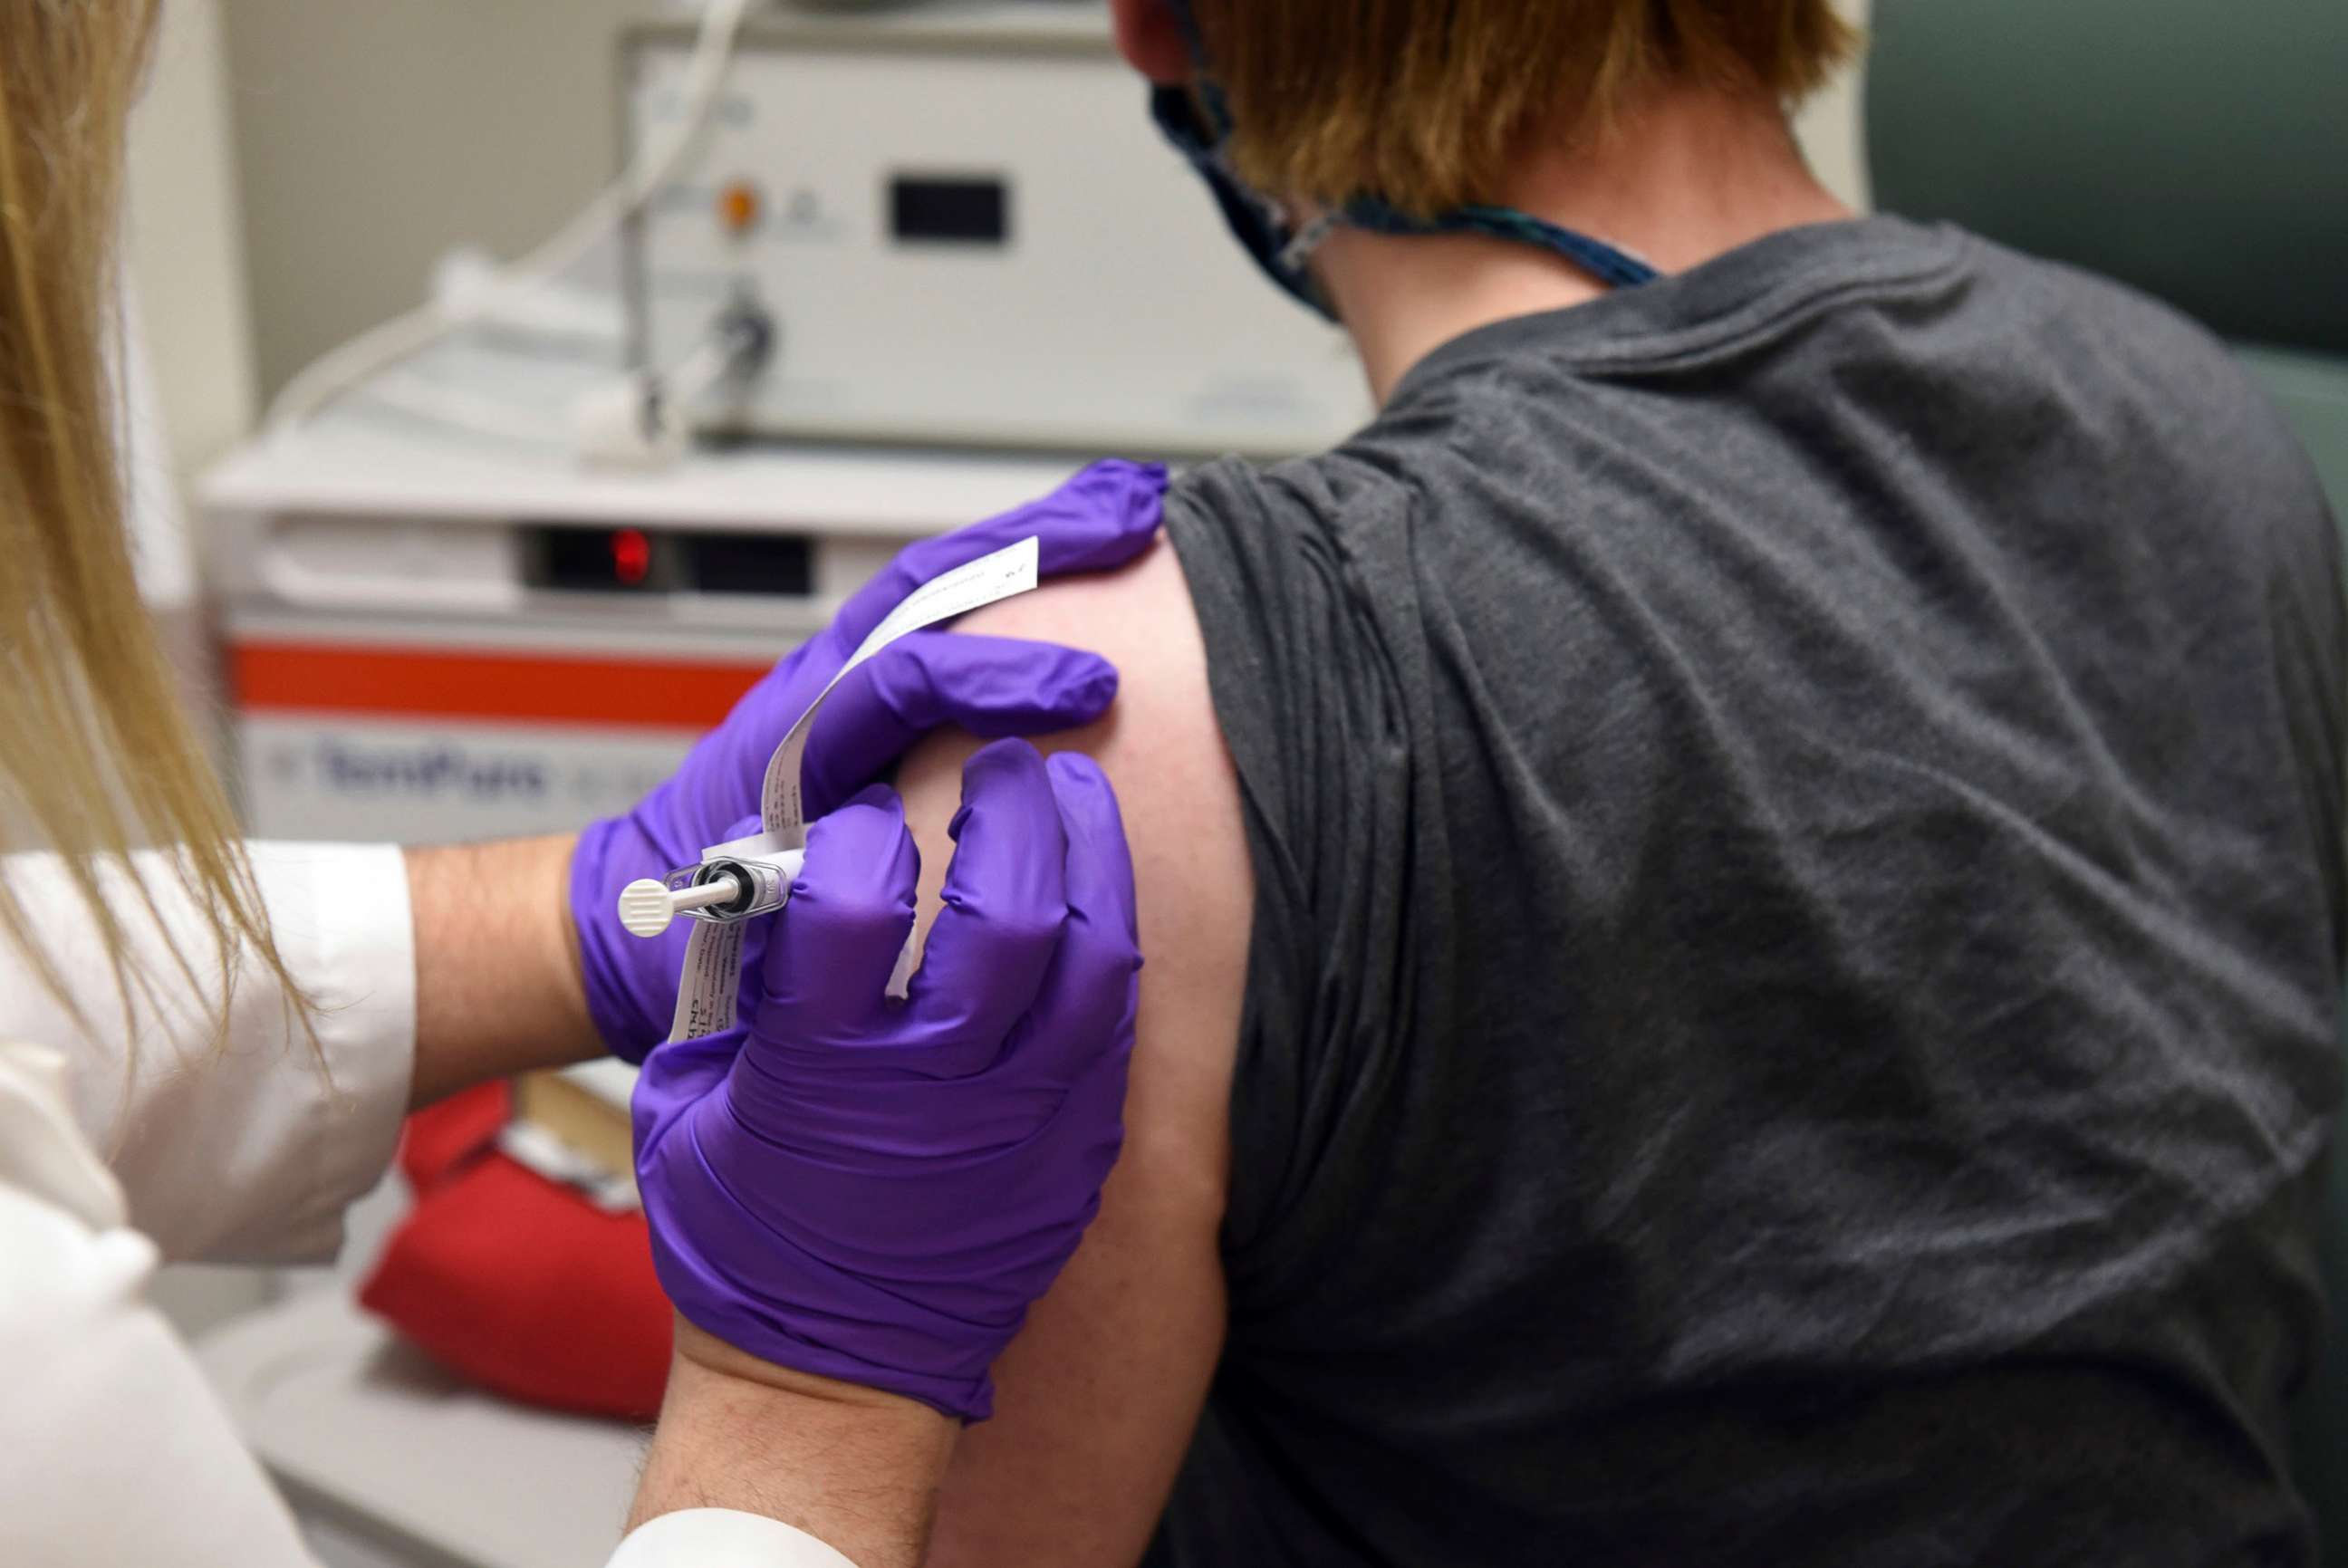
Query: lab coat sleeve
point(244, 1144)
point(116, 1450)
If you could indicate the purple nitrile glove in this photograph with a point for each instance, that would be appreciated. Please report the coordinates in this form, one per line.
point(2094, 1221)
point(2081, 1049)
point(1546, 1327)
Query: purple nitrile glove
point(1101, 518)
point(876, 1191)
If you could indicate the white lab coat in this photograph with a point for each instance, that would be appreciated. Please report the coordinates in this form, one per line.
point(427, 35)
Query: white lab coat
point(121, 1147)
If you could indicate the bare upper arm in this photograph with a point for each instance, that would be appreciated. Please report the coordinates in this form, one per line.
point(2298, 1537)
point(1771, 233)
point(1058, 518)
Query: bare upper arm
point(1096, 1398)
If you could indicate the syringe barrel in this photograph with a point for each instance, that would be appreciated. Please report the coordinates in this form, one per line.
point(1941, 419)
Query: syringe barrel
point(766, 886)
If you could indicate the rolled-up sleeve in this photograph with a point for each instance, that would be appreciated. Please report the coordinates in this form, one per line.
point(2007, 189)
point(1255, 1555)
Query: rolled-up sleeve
point(235, 1139)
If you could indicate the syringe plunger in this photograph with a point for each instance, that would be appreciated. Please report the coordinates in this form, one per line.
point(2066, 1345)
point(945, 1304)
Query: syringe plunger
point(646, 905)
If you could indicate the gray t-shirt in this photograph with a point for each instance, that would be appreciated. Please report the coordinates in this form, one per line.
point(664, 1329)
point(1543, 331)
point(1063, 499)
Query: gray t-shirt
point(1798, 816)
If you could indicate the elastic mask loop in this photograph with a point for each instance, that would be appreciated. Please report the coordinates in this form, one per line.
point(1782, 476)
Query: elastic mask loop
point(1295, 256)
point(1256, 222)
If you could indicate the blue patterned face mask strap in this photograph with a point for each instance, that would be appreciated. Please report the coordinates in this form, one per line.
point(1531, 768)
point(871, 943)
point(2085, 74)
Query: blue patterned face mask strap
point(1199, 123)
point(1610, 264)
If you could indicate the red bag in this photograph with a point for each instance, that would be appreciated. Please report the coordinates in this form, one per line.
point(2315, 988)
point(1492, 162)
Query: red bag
point(520, 1283)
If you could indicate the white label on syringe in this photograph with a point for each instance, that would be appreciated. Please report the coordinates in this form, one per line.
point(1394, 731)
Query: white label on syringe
point(705, 993)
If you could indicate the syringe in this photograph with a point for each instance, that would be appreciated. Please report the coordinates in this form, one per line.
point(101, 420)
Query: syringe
point(747, 876)
point(722, 889)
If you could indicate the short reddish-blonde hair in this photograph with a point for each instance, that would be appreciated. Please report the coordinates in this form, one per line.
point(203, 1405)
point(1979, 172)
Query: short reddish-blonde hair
point(1419, 102)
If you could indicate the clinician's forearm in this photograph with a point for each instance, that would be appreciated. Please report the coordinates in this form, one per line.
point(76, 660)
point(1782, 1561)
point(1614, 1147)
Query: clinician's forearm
point(497, 964)
point(855, 1467)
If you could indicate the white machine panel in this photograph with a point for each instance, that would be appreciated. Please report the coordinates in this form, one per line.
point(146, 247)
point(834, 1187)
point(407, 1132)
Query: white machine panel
point(965, 230)
point(429, 639)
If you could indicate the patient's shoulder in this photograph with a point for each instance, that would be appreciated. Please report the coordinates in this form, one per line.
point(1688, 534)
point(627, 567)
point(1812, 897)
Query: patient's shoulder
point(1096, 1401)
point(1139, 618)
point(1162, 751)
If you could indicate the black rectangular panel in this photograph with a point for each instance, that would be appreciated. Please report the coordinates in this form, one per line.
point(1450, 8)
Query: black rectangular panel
point(958, 210)
point(748, 563)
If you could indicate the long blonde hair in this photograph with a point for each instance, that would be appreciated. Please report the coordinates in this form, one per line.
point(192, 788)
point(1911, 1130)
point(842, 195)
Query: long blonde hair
point(97, 756)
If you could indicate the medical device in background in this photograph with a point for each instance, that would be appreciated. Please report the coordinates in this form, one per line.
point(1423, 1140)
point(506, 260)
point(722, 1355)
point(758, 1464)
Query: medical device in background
point(958, 226)
point(618, 417)
point(431, 638)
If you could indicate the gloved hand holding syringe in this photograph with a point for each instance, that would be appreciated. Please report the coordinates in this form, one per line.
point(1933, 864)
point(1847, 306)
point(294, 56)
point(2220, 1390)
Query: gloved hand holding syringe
point(1099, 519)
point(752, 876)
point(807, 1179)
point(806, 1176)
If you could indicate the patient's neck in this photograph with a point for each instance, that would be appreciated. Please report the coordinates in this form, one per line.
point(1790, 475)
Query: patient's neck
point(1691, 174)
